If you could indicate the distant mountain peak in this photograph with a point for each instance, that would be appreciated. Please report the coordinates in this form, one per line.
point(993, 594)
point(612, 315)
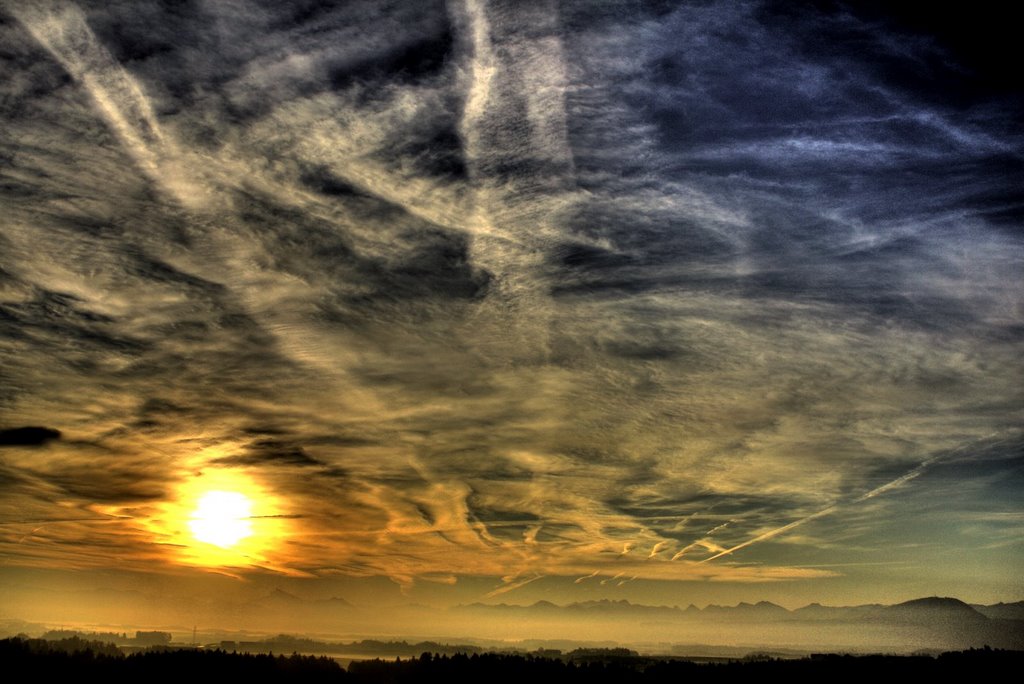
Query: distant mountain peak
point(338, 601)
point(761, 607)
point(934, 602)
point(941, 607)
point(279, 594)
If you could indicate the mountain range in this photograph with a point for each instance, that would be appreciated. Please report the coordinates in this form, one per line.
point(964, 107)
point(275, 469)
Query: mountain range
point(949, 608)
point(925, 623)
point(932, 623)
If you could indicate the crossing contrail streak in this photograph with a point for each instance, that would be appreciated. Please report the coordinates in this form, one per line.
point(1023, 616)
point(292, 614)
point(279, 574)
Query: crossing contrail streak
point(62, 30)
point(893, 484)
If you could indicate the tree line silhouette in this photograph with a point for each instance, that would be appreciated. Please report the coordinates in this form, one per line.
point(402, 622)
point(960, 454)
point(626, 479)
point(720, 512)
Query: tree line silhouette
point(77, 659)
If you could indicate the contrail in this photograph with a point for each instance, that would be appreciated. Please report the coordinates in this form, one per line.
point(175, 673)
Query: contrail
point(612, 579)
point(482, 69)
point(897, 482)
point(902, 479)
point(62, 30)
point(705, 542)
point(512, 585)
point(514, 111)
point(772, 533)
point(657, 548)
point(46, 521)
point(718, 528)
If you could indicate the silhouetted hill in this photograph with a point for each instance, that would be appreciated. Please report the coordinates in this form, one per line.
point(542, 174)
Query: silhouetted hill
point(936, 603)
point(55, 661)
point(625, 668)
point(611, 666)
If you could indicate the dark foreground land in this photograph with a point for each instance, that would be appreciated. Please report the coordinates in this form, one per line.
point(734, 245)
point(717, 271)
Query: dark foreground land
point(74, 660)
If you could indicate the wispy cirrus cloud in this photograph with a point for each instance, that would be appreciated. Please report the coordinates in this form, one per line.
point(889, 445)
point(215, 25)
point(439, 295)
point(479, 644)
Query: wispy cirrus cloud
point(487, 290)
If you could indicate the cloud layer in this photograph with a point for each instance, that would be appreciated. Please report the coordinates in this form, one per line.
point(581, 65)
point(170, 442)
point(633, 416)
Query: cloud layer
point(627, 290)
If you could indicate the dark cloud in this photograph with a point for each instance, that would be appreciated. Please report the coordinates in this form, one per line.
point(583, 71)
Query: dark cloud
point(272, 452)
point(116, 483)
point(28, 436)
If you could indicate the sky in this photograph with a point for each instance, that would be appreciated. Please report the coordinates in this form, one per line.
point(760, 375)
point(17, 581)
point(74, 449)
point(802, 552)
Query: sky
point(492, 301)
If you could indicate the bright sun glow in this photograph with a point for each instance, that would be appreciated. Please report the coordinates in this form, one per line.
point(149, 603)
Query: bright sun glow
point(222, 519)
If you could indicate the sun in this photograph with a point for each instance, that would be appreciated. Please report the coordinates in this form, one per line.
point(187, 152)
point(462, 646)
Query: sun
point(222, 518)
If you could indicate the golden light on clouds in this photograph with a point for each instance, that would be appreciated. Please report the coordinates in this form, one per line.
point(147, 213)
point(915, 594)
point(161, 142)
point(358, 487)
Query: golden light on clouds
point(467, 300)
